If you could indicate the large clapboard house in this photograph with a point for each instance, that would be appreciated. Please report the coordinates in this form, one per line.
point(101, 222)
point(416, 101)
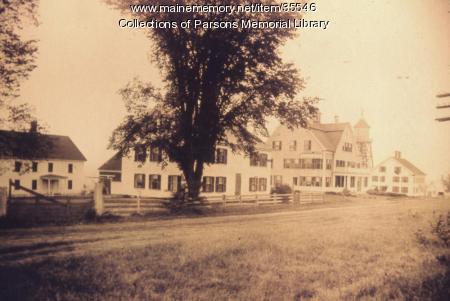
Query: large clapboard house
point(59, 171)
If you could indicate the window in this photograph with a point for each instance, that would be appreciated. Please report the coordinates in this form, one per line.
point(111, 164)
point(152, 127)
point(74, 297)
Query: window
point(289, 163)
point(327, 181)
point(34, 166)
point(302, 181)
point(295, 181)
point(155, 154)
point(339, 181)
point(307, 145)
point(276, 145)
point(395, 189)
point(33, 184)
point(293, 145)
point(382, 179)
point(70, 168)
point(258, 159)
point(140, 153)
point(404, 189)
point(383, 188)
point(17, 166)
point(221, 184)
point(396, 179)
point(50, 167)
point(316, 181)
point(382, 169)
point(221, 156)
point(405, 179)
point(310, 163)
point(16, 184)
point(208, 184)
point(174, 183)
point(340, 163)
point(262, 184)
point(139, 180)
point(328, 162)
point(397, 170)
point(69, 184)
point(154, 182)
point(317, 163)
point(253, 184)
point(374, 178)
point(277, 180)
point(366, 181)
point(352, 181)
point(347, 147)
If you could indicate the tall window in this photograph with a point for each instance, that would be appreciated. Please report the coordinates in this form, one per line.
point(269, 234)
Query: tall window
point(154, 182)
point(50, 167)
point(374, 178)
point(404, 189)
point(155, 154)
point(405, 179)
point(340, 163)
point(316, 181)
point(33, 184)
point(70, 168)
point(339, 181)
point(34, 166)
point(140, 153)
point(139, 180)
point(16, 184)
point(174, 183)
point(382, 178)
point(277, 180)
point(276, 145)
point(327, 181)
point(262, 184)
point(221, 155)
point(221, 184)
point(328, 163)
point(347, 147)
point(366, 181)
point(253, 184)
point(17, 166)
point(69, 184)
point(352, 181)
point(307, 145)
point(396, 179)
point(293, 145)
point(208, 184)
point(295, 181)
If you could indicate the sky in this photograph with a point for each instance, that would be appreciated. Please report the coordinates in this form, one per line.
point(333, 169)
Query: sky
point(385, 59)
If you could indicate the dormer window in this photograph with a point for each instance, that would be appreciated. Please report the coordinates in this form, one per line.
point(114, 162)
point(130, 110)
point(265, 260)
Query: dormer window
point(347, 147)
point(293, 145)
point(221, 155)
point(140, 153)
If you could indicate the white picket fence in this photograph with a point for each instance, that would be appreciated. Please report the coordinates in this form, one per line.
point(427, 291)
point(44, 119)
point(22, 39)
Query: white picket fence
point(143, 205)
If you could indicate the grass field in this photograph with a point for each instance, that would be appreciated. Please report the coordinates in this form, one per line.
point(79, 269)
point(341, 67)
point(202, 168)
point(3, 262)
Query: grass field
point(364, 249)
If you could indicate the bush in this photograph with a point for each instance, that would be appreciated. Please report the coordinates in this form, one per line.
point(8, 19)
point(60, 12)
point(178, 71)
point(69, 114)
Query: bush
point(282, 189)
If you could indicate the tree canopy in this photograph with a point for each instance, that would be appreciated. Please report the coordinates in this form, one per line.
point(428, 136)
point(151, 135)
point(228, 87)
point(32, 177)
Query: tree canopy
point(221, 86)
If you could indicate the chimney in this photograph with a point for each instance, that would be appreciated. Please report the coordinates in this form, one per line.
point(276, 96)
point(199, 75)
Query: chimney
point(336, 119)
point(397, 155)
point(33, 126)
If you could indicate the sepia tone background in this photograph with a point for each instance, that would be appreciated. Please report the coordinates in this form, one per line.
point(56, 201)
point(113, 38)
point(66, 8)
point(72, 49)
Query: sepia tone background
point(387, 59)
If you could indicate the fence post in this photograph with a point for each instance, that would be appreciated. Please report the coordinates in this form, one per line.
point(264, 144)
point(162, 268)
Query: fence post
point(3, 201)
point(98, 198)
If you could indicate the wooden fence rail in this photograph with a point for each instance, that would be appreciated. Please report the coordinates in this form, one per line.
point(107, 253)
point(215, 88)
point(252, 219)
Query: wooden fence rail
point(144, 205)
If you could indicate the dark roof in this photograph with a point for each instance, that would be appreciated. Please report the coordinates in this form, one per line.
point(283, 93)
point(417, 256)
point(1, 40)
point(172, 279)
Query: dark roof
point(362, 123)
point(59, 147)
point(416, 171)
point(113, 164)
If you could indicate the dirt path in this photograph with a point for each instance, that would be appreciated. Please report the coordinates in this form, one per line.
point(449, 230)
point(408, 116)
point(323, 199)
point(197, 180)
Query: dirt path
point(38, 244)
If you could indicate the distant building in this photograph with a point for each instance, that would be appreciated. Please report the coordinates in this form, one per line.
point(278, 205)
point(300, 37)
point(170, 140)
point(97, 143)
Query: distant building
point(398, 175)
point(61, 171)
point(322, 157)
point(231, 174)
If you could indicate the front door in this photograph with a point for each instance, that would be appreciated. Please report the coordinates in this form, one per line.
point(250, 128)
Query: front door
point(237, 189)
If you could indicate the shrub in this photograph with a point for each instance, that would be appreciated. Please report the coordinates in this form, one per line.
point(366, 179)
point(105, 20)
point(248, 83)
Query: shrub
point(282, 189)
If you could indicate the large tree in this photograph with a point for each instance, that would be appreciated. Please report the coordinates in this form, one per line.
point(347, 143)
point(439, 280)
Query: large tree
point(221, 86)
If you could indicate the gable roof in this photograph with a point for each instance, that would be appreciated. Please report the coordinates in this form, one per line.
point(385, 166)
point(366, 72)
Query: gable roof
point(59, 147)
point(329, 134)
point(416, 171)
point(362, 123)
point(113, 164)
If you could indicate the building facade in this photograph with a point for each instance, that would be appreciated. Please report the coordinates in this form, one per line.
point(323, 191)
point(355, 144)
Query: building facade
point(322, 157)
point(142, 173)
point(61, 172)
point(398, 175)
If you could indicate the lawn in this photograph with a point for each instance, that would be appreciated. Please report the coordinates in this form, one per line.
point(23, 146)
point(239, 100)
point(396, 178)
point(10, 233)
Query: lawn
point(369, 249)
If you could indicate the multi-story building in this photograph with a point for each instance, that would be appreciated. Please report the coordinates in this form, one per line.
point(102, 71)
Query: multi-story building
point(142, 173)
point(59, 172)
point(322, 157)
point(398, 175)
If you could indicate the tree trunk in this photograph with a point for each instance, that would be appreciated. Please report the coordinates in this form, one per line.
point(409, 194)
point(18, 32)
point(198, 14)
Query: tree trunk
point(193, 176)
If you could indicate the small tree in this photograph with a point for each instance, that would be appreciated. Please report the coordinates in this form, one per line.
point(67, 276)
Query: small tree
point(221, 85)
